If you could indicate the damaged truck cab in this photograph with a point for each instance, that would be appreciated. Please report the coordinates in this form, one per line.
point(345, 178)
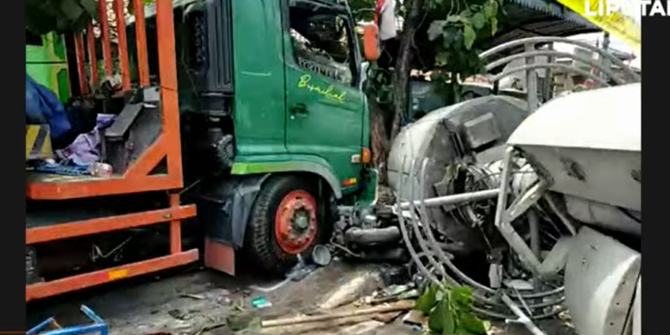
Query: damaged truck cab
point(273, 118)
point(248, 114)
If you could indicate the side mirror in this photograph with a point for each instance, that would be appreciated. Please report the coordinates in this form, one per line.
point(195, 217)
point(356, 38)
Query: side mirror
point(371, 49)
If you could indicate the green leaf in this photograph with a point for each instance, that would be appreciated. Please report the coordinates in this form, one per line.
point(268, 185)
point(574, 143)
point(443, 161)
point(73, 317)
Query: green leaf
point(454, 18)
point(488, 9)
point(450, 35)
point(494, 25)
point(457, 42)
point(478, 20)
point(461, 298)
point(471, 324)
point(469, 36)
point(441, 319)
point(427, 300)
point(491, 8)
point(436, 29)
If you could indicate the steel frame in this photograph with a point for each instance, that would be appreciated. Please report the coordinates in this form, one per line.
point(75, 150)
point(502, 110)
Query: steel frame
point(505, 215)
point(137, 178)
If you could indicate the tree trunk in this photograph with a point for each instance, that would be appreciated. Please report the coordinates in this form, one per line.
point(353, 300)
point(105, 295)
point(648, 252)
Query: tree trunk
point(417, 9)
point(379, 139)
point(385, 120)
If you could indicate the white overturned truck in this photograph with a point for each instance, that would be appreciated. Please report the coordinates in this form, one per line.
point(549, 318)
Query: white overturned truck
point(586, 149)
point(558, 220)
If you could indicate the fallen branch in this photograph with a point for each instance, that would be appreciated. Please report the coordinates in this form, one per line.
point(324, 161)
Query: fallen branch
point(399, 306)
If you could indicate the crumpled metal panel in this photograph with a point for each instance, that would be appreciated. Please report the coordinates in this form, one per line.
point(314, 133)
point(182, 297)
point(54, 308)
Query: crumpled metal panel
point(600, 281)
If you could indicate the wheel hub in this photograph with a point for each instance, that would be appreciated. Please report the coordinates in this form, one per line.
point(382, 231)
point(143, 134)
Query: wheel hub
point(300, 221)
point(296, 222)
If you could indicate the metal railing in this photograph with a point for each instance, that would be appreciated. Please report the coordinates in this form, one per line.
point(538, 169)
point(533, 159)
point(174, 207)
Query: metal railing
point(603, 76)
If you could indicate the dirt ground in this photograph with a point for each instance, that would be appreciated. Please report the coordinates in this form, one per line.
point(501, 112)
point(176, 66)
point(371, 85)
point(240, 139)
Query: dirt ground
point(198, 302)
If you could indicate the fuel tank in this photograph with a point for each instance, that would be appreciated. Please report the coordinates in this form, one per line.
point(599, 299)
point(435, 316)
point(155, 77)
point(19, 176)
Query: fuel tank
point(588, 145)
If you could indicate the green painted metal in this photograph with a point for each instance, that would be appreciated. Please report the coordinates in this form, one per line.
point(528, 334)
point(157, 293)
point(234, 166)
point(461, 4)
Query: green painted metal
point(259, 77)
point(47, 64)
point(245, 165)
point(368, 191)
point(269, 83)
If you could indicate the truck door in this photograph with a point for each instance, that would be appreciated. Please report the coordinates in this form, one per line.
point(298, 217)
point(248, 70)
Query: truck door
point(325, 107)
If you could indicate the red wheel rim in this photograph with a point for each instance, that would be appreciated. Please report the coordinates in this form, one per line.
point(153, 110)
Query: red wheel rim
point(295, 222)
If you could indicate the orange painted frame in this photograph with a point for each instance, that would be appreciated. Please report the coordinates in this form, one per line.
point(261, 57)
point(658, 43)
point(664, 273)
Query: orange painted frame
point(173, 215)
point(167, 145)
point(73, 283)
point(136, 178)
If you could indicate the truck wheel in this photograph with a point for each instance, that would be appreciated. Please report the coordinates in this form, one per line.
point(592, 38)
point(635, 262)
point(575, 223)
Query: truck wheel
point(285, 221)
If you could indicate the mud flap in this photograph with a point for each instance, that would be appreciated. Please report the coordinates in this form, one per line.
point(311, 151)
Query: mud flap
point(224, 205)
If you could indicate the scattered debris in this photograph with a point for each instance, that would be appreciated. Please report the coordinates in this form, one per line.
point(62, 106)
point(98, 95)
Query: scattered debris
point(395, 275)
point(387, 317)
point(210, 327)
point(321, 256)
point(518, 284)
point(271, 288)
point(193, 296)
point(179, 314)
point(398, 306)
point(352, 290)
point(238, 305)
point(237, 322)
point(362, 328)
point(414, 318)
point(300, 271)
point(394, 290)
point(261, 302)
point(217, 294)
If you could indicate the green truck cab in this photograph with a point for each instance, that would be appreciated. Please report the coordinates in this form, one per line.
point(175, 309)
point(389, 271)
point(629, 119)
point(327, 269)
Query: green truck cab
point(274, 122)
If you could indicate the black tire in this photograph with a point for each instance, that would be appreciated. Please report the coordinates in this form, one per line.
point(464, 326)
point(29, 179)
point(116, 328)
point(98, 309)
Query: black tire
point(262, 247)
